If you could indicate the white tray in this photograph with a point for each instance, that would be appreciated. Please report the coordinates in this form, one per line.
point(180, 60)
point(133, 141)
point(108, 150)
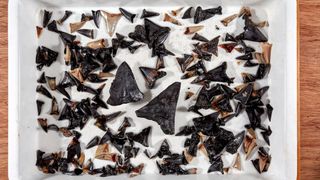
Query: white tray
point(25, 137)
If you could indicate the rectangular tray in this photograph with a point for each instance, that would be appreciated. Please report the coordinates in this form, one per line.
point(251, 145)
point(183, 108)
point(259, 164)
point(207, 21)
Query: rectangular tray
point(24, 136)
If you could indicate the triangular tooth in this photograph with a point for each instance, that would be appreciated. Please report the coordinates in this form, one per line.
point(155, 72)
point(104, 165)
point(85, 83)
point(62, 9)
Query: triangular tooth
point(237, 162)
point(96, 18)
point(168, 18)
point(124, 88)
point(187, 13)
point(85, 17)
point(66, 15)
point(46, 18)
point(76, 26)
point(162, 108)
point(198, 37)
point(39, 31)
point(111, 21)
point(86, 32)
point(146, 14)
point(266, 51)
point(54, 107)
point(160, 63)
point(142, 137)
point(228, 47)
point(127, 14)
point(185, 61)
point(151, 75)
point(176, 12)
point(228, 19)
point(100, 43)
point(193, 29)
point(39, 106)
point(93, 142)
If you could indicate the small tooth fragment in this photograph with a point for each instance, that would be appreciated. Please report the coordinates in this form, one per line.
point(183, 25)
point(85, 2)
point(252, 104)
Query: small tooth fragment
point(43, 123)
point(51, 82)
point(86, 32)
point(111, 21)
point(54, 107)
point(100, 43)
point(127, 14)
point(193, 29)
point(198, 37)
point(76, 26)
point(176, 12)
point(46, 18)
point(187, 13)
point(147, 14)
point(151, 75)
point(228, 46)
point(188, 95)
point(168, 18)
point(96, 18)
point(42, 90)
point(39, 31)
point(237, 162)
point(66, 15)
point(244, 11)
point(228, 19)
point(39, 106)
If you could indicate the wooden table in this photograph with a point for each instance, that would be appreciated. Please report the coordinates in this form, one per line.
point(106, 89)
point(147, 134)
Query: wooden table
point(309, 89)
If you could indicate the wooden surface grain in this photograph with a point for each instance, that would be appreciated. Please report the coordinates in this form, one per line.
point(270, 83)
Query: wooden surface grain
point(309, 89)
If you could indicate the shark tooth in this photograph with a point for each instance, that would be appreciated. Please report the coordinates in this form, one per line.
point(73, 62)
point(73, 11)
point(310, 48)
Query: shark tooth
point(124, 88)
point(185, 61)
point(217, 74)
point(151, 75)
point(198, 37)
point(187, 13)
point(86, 32)
point(111, 21)
point(39, 31)
point(168, 18)
point(193, 29)
point(228, 19)
point(162, 108)
point(141, 137)
point(147, 14)
point(127, 14)
point(176, 12)
point(46, 18)
point(76, 26)
point(96, 18)
point(97, 44)
point(66, 15)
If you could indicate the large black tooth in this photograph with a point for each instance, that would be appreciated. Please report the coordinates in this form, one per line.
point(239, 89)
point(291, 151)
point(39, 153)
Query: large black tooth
point(66, 15)
point(42, 78)
point(42, 90)
point(142, 137)
point(146, 14)
point(269, 111)
point(54, 107)
point(245, 57)
point(46, 18)
point(217, 74)
point(162, 108)
point(93, 142)
point(63, 91)
point(187, 13)
point(245, 93)
point(139, 34)
point(185, 61)
point(39, 106)
point(86, 32)
point(99, 101)
point(124, 88)
point(127, 14)
point(198, 37)
point(201, 15)
point(151, 75)
point(45, 56)
point(96, 17)
point(198, 66)
point(208, 124)
point(233, 146)
point(53, 26)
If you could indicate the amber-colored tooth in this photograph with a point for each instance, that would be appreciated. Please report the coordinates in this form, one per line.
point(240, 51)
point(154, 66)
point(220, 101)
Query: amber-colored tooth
point(168, 18)
point(76, 26)
point(111, 21)
point(104, 153)
point(100, 43)
point(193, 29)
point(237, 162)
point(188, 95)
point(77, 74)
point(228, 19)
point(266, 51)
point(67, 55)
point(262, 24)
point(176, 12)
point(39, 31)
point(249, 145)
point(244, 11)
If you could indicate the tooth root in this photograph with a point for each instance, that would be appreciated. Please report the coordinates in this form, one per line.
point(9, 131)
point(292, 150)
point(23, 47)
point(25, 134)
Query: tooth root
point(111, 21)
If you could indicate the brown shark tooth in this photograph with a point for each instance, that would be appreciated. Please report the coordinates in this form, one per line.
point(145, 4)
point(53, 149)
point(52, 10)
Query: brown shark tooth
point(51, 82)
point(111, 21)
point(237, 162)
point(176, 12)
point(76, 26)
point(193, 29)
point(244, 11)
point(160, 63)
point(67, 55)
point(100, 43)
point(189, 94)
point(262, 24)
point(151, 75)
point(39, 31)
point(104, 153)
point(168, 18)
point(66, 15)
point(247, 77)
point(86, 32)
point(54, 107)
point(266, 51)
point(185, 61)
point(228, 46)
point(77, 74)
point(249, 144)
point(86, 17)
point(228, 19)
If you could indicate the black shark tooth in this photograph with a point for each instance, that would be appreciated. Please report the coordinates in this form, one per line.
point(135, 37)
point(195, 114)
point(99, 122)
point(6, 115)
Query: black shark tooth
point(185, 61)
point(245, 93)
point(233, 146)
point(269, 111)
point(162, 108)
point(39, 106)
point(42, 90)
point(201, 15)
point(86, 32)
point(198, 37)
point(66, 15)
point(142, 137)
point(151, 75)
point(187, 13)
point(127, 14)
point(217, 74)
point(147, 14)
point(124, 88)
point(46, 18)
point(96, 18)
point(42, 78)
